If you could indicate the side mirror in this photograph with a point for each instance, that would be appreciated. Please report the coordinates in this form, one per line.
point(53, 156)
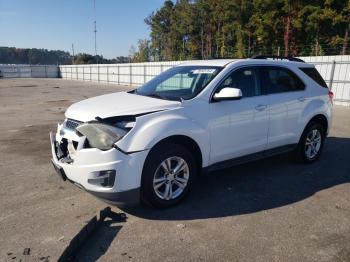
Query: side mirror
point(228, 93)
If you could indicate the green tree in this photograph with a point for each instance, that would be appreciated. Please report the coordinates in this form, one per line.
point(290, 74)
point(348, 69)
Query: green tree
point(143, 52)
point(207, 29)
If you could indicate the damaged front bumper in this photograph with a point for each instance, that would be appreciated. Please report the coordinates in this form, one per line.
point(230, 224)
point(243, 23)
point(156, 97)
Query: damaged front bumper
point(111, 175)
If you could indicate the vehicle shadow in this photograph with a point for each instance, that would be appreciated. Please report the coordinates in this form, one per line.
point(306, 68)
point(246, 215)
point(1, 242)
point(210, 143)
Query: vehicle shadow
point(257, 186)
point(94, 239)
point(99, 242)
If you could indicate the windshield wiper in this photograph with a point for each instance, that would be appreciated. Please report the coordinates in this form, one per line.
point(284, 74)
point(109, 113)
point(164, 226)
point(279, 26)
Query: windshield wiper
point(174, 98)
point(157, 96)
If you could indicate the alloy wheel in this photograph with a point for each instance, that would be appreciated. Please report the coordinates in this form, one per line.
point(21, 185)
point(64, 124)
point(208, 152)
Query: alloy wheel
point(171, 178)
point(313, 143)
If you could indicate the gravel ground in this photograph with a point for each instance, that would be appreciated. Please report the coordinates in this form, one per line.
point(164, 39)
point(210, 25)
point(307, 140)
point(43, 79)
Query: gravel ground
point(270, 210)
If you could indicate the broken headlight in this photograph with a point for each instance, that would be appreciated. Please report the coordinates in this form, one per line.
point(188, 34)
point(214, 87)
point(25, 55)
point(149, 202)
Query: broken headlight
point(101, 136)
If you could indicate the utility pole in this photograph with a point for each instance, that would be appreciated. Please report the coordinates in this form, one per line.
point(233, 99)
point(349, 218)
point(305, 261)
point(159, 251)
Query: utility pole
point(73, 54)
point(95, 31)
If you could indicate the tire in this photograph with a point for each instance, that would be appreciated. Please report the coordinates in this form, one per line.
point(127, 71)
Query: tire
point(156, 177)
point(308, 152)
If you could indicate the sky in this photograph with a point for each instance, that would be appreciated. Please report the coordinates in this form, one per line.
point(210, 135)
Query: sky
point(56, 24)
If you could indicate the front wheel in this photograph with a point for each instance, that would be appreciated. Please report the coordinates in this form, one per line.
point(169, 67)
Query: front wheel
point(167, 176)
point(311, 143)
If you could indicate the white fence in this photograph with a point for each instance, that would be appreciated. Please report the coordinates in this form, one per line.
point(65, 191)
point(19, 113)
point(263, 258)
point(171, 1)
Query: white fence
point(133, 74)
point(336, 72)
point(334, 69)
point(44, 71)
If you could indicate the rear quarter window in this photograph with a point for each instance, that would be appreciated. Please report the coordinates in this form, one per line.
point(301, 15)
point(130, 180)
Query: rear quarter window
point(314, 75)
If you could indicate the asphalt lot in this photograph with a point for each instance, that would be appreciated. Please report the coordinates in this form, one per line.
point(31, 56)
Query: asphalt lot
point(270, 210)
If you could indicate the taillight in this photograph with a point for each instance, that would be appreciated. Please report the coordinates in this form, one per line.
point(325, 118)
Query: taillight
point(331, 95)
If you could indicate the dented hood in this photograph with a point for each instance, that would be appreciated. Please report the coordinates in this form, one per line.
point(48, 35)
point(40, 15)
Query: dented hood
point(117, 104)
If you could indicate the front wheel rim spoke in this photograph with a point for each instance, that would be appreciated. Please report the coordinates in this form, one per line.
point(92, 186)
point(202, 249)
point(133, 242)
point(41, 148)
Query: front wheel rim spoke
point(168, 163)
point(168, 191)
point(308, 150)
point(180, 185)
point(156, 186)
point(318, 146)
point(179, 167)
point(181, 180)
point(159, 180)
point(312, 151)
point(308, 141)
point(165, 167)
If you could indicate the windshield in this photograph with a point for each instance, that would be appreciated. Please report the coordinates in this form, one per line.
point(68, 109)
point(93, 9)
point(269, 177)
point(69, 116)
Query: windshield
point(181, 82)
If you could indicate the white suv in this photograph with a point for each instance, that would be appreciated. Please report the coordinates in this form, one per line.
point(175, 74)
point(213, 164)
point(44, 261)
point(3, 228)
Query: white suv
point(149, 144)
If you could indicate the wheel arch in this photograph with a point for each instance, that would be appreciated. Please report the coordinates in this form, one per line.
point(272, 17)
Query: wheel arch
point(319, 118)
point(185, 141)
point(316, 110)
point(300, 153)
point(149, 132)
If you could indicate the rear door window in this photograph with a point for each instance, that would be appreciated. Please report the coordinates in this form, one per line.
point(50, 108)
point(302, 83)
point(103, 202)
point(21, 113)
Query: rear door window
point(314, 75)
point(278, 80)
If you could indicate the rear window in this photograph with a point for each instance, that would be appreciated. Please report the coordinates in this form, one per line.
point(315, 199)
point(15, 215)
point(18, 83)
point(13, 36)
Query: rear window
point(314, 75)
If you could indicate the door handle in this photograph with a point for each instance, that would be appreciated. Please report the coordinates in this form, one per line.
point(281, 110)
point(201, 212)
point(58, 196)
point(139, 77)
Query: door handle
point(301, 99)
point(260, 107)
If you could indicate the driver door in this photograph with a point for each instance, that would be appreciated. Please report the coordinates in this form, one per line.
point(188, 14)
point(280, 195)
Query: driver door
point(239, 127)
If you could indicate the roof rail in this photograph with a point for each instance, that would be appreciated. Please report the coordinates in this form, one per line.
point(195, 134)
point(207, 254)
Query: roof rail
point(275, 57)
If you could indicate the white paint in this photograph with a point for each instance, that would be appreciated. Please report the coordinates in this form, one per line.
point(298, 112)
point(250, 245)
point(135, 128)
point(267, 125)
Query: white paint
point(119, 103)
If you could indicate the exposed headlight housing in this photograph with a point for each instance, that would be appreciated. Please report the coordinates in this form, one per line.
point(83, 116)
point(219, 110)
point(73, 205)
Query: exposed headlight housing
point(100, 135)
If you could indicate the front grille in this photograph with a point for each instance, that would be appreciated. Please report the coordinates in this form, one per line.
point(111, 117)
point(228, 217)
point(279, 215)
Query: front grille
point(72, 124)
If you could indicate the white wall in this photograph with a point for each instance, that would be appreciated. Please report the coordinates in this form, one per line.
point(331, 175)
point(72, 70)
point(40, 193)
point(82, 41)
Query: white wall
point(136, 74)
point(44, 71)
point(133, 74)
point(341, 75)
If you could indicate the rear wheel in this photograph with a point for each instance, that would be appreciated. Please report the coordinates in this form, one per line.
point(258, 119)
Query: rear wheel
point(311, 143)
point(167, 175)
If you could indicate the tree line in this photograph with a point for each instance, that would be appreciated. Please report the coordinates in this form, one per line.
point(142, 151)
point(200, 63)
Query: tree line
point(205, 29)
point(12, 55)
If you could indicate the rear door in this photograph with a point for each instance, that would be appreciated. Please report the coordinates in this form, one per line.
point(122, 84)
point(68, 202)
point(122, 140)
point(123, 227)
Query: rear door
point(286, 96)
